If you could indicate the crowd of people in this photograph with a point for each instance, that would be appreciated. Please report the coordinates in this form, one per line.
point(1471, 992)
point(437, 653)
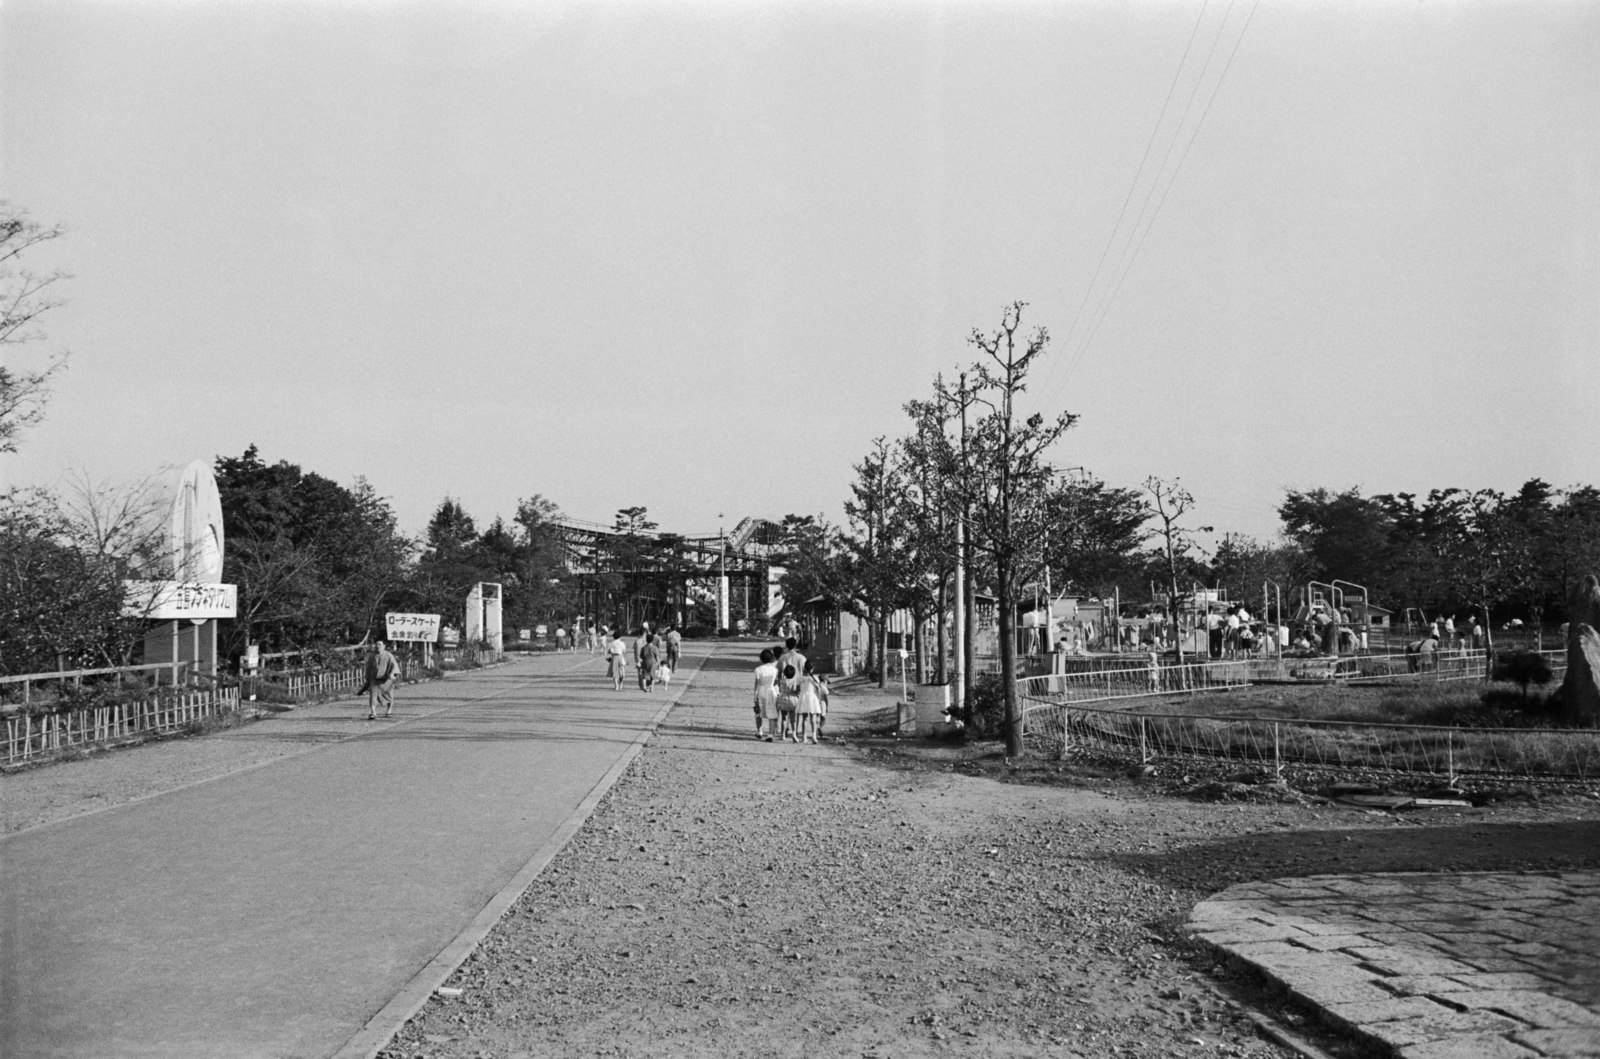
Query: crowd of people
point(791, 698)
point(655, 655)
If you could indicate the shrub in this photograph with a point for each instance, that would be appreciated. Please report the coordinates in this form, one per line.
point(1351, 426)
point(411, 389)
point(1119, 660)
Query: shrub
point(724, 632)
point(987, 708)
point(1522, 668)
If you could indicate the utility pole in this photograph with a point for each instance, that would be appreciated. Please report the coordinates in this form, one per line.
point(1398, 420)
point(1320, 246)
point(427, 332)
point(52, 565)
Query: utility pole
point(959, 621)
point(722, 579)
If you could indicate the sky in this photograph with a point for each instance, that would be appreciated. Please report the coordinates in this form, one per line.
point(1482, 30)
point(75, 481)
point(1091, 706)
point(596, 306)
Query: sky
point(697, 256)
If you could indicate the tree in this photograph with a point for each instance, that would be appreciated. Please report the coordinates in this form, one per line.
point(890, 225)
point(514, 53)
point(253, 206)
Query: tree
point(1242, 566)
point(1096, 531)
point(874, 571)
point(542, 577)
point(24, 296)
point(60, 605)
point(812, 556)
point(1346, 535)
point(316, 563)
point(1169, 502)
point(1007, 480)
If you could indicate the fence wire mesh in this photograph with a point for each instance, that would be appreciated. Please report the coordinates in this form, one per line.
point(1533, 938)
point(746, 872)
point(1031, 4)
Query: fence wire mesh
point(1078, 709)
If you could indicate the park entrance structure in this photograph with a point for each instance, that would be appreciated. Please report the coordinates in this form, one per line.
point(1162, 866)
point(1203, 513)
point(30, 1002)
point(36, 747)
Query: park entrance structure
point(483, 617)
point(183, 608)
point(627, 579)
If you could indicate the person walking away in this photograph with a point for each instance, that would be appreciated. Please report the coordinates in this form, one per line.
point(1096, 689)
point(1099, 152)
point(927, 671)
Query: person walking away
point(561, 638)
point(617, 655)
point(649, 658)
point(791, 668)
point(674, 646)
point(808, 707)
point(382, 672)
point(766, 695)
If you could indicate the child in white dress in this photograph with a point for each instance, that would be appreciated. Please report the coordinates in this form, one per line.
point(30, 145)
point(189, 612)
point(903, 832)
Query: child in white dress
point(766, 699)
point(808, 708)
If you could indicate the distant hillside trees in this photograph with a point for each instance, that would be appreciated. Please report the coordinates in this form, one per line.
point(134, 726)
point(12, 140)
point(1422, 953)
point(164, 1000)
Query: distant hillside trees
point(1516, 554)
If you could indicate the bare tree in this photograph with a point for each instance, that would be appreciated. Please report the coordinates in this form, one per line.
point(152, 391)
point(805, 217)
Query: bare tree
point(1169, 502)
point(1008, 480)
point(24, 295)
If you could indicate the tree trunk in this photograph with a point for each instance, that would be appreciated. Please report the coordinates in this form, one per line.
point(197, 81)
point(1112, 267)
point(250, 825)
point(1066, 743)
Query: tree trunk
point(1008, 658)
point(883, 651)
point(941, 671)
point(919, 672)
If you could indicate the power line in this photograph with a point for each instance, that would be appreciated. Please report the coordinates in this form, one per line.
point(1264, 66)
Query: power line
point(1134, 186)
point(1132, 258)
point(1129, 257)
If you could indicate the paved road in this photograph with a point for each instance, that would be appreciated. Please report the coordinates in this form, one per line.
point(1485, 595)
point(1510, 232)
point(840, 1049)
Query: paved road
point(1450, 966)
point(274, 912)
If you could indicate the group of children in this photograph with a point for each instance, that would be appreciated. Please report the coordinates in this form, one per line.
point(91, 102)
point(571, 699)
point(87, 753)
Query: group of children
point(653, 656)
point(791, 700)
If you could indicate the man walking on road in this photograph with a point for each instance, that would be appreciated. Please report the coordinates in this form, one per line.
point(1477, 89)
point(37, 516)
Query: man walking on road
point(382, 671)
point(674, 644)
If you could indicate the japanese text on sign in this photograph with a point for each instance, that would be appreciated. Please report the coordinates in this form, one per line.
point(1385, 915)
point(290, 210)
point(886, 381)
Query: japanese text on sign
point(418, 627)
point(168, 600)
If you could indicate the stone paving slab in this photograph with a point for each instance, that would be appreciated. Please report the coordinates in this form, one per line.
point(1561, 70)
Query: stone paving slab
point(1429, 966)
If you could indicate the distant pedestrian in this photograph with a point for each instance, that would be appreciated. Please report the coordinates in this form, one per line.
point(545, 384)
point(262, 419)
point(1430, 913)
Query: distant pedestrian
point(674, 646)
point(649, 659)
point(383, 670)
point(561, 638)
point(766, 695)
point(617, 658)
point(808, 707)
point(1422, 654)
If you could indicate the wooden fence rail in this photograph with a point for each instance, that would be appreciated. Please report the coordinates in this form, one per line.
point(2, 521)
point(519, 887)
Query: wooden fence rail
point(163, 710)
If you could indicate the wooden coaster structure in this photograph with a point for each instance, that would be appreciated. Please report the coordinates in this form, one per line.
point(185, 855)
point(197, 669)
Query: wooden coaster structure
point(627, 579)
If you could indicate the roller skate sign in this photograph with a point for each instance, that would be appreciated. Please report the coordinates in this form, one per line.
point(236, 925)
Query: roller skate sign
point(419, 628)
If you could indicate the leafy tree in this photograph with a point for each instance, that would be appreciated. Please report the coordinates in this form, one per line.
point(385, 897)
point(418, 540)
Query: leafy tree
point(1345, 535)
point(812, 559)
point(1242, 565)
point(544, 587)
point(24, 296)
point(452, 561)
point(316, 563)
point(60, 604)
point(1096, 533)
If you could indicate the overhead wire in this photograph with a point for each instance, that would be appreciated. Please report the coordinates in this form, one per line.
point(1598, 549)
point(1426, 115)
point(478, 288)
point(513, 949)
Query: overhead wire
point(1062, 372)
point(1155, 130)
point(1139, 246)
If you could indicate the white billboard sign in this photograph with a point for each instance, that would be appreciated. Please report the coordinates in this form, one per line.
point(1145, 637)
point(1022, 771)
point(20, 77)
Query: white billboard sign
point(176, 600)
point(423, 628)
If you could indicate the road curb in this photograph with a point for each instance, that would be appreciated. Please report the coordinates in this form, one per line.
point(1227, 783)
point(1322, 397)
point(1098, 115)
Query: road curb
point(381, 1028)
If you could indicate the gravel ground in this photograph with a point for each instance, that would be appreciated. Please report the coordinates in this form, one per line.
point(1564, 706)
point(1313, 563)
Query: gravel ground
point(876, 898)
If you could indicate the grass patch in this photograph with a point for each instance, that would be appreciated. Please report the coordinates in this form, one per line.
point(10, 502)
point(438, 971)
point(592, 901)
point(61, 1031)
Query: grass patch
point(1465, 704)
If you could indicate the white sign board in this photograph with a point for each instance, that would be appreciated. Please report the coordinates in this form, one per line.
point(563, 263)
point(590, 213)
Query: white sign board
point(169, 600)
point(418, 628)
point(196, 527)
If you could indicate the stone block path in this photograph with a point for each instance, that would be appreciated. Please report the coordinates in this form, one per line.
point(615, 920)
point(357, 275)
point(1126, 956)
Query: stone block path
point(1446, 966)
